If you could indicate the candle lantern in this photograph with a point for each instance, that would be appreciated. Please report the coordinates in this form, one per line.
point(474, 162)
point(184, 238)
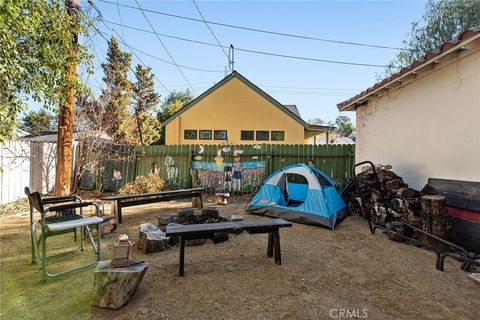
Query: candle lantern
point(122, 252)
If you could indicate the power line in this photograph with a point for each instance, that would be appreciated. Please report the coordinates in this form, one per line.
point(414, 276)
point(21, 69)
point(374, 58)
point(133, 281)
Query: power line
point(250, 50)
point(164, 47)
point(120, 17)
point(213, 34)
point(157, 58)
point(103, 36)
point(291, 35)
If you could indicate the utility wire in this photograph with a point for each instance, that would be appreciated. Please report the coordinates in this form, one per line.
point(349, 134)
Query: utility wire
point(120, 17)
point(164, 47)
point(291, 35)
point(250, 50)
point(105, 38)
point(211, 31)
point(121, 40)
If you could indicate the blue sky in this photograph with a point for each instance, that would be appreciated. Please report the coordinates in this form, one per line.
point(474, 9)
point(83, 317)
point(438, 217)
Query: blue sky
point(314, 87)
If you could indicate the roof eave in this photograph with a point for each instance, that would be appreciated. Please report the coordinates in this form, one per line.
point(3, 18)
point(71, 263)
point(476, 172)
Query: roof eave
point(430, 58)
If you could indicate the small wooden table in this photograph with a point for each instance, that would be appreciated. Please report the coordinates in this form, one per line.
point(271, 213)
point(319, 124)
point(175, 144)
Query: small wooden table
point(208, 230)
point(120, 202)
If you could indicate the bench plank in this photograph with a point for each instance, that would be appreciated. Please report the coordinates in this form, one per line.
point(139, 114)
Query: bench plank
point(251, 225)
point(139, 199)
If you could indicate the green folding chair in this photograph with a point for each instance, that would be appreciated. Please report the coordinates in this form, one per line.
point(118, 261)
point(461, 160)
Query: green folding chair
point(57, 220)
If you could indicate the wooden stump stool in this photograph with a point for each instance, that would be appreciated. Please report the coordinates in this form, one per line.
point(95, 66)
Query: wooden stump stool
point(116, 286)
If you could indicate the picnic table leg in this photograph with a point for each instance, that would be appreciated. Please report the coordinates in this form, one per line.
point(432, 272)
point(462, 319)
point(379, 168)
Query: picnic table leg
point(270, 245)
point(276, 246)
point(118, 209)
point(182, 256)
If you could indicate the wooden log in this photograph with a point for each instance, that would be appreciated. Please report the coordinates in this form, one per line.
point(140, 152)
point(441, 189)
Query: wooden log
point(151, 238)
point(434, 205)
point(116, 286)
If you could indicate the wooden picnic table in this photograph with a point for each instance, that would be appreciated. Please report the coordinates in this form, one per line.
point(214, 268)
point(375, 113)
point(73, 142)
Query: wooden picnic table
point(123, 201)
point(208, 230)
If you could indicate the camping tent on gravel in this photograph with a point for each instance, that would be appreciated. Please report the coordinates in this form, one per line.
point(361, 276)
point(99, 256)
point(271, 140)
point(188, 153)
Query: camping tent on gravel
point(300, 193)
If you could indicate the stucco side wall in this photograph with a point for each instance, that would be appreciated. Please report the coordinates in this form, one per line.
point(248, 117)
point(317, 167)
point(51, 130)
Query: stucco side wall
point(428, 128)
point(234, 107)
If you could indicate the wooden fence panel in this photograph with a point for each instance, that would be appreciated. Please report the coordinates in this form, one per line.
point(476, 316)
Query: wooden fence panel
point(235, 169)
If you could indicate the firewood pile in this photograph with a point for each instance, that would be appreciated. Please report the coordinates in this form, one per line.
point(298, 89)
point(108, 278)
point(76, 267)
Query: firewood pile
point(427, 212)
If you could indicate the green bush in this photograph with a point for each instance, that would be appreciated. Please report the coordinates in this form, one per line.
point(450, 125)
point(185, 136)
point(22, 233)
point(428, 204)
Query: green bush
point(144, 184)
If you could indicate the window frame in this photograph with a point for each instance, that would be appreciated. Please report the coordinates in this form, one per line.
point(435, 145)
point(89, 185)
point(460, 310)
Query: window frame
point(193, 130)
point(200, 135)
point(268, 135)
point(276, 131)
point(253, 135)
point(215, 131)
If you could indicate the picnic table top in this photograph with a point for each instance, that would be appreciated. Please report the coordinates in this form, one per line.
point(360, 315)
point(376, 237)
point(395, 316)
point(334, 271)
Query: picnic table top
point(144, 195)
point(249, 225)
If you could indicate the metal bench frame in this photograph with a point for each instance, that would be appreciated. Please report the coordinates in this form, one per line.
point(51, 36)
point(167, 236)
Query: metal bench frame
point(50, 229)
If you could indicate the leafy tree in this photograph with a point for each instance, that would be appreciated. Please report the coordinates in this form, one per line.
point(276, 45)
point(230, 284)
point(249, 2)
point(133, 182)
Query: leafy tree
point(35, 46)
point(317, 121)
point(117, 93)
point(344, 126)
point(37, 121)
point(442, 21)
point(175, 101)
point(145, 101)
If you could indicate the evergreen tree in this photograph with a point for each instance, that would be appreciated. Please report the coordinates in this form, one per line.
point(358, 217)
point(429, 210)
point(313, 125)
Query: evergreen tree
point(344, 126)
point(145, 101)
point(117, 93)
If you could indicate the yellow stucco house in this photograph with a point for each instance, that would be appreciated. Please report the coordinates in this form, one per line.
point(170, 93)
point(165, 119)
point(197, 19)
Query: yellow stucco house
point(235, 111)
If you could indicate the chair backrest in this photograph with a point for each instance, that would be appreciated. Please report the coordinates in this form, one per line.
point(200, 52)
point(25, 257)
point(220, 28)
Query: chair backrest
point(36, 201)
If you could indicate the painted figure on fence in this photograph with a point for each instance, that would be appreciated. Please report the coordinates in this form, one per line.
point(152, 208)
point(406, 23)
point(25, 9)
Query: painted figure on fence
point(237, 173)
point(154, 169)
point(227, 179)
point(171, 169)
point(117, 177)
point(219, 159)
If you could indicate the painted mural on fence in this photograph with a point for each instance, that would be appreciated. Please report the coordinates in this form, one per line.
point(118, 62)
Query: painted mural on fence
point(235, 175)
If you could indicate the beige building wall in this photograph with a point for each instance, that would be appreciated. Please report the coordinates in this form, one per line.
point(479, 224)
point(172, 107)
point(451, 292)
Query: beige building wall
point(234, 107)
point(428, 128)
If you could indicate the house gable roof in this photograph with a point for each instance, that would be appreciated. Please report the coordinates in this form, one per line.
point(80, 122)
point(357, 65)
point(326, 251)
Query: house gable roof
point(290, 110)
point(448, 47)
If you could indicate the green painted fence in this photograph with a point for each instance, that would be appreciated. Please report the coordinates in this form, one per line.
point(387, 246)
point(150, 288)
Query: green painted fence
point(214, 166)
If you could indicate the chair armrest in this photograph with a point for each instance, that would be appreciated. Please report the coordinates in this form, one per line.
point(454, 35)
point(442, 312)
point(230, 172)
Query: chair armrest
point(53, 200)
point(74, 206)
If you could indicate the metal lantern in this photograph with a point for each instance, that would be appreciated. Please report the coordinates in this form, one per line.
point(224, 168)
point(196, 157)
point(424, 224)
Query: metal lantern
point(122, 252)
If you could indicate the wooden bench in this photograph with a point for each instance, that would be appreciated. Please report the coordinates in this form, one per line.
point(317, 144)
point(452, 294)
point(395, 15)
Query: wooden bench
point(123, 201)
point(208, 230)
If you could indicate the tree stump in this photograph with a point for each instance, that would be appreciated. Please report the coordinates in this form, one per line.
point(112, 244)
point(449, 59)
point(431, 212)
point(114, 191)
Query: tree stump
point(210, 212)
point(151, 238)
point(166, 218)
point(116, 286)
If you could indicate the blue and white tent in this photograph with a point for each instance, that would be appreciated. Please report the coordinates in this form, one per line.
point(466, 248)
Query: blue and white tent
point(300, 193)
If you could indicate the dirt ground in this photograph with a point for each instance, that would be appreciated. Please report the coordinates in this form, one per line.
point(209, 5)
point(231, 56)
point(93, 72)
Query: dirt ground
point(323, 272)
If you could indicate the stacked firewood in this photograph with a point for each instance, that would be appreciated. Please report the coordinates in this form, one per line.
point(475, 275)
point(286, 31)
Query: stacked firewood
point(427, 212)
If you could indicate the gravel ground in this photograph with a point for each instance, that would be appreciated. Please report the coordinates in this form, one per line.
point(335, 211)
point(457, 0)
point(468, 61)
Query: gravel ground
point(323, 273)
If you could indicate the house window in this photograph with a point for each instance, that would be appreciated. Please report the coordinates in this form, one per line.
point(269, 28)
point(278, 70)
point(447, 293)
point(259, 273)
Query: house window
point(247, 135)
point(220, 134)
point(278, 135)
point(205, 134)
point(262, 135)
point(190, 134)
